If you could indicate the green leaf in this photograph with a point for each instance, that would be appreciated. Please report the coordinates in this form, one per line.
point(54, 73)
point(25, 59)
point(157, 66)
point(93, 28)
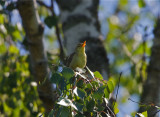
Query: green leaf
point(123, 2)
point(100, 108)
point(13, 50)
point(77, 106)
point(67, 73)
point(143, 114)
point(2, 2)
point(133, 71)
point(2, 48)
point(65, 112)
point(98, 75)
point(58, 114)
point(56, 78)
point(79, 92)
point(51, 21)
point(79, 115)
point(65, 102)
point(106, 92)
point(11, 6)
point(133, 114)
point(94, 84)
point(141, 3)
point(90, 105)
point(110, 86)
point(116, 110)
point(80, 84)
point(99, 93)
point(51, 114)
point(16, 35)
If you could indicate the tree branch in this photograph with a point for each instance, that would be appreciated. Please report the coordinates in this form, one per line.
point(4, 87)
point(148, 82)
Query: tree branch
point(34, 33)
point(51, 8)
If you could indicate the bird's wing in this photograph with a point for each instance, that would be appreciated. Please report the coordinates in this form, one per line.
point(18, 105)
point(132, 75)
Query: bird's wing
point(69, 59)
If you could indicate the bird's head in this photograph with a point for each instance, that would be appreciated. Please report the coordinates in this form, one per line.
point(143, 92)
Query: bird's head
point(81, 47)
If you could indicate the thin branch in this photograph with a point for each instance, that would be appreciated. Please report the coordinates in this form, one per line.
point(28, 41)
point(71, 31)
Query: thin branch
point(143, 56)
point(58, 35)
point(155, 113)
point(144, 104)
point(117, 89)
point(43, 4)
point(51, 8)
point(111, 111)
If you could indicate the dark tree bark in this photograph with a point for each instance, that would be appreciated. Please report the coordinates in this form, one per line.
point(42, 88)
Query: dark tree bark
point(80, 22)
point(34, 33)
point(151, 88)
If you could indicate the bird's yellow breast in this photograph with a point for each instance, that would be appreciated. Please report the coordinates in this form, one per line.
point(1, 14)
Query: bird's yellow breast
point(78, 60)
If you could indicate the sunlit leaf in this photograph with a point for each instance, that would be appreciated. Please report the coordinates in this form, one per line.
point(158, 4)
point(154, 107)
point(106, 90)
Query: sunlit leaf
point(106, 92)
point(77, 106)
point(79, 92)
point(116, 110)
point(123, 3)
point(13, 50)
point(98, 75)
point(141, 3)
point(110, 86)
point(143, 114)
point(64, 102)
point(16, 35)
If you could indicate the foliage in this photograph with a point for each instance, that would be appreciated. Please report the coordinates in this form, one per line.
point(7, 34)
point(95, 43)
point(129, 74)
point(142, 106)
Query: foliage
point(127, 41)
point(18, 91)
point(80, 94)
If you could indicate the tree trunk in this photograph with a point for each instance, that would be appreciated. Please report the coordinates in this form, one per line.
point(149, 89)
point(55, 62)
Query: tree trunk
point(151, 88)
point(80, 22)
point(34, 33)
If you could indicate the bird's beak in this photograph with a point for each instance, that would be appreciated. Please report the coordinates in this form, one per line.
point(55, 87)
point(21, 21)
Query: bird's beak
point(84, 44)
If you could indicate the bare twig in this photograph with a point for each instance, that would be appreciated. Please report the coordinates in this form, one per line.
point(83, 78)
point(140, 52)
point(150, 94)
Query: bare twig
point(149, 104)
point(117, 89)
point(155, 113)
point(51, 8)
point(43, 4)
point(144, 104)
point(110, 111)
point(143, 56)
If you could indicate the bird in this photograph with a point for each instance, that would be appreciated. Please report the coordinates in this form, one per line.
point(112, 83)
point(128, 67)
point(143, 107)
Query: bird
point(78, 59)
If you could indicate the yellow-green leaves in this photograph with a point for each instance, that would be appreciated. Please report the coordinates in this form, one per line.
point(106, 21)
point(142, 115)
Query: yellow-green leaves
point(141, 3)
point(98, 75)
point(143, 114)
